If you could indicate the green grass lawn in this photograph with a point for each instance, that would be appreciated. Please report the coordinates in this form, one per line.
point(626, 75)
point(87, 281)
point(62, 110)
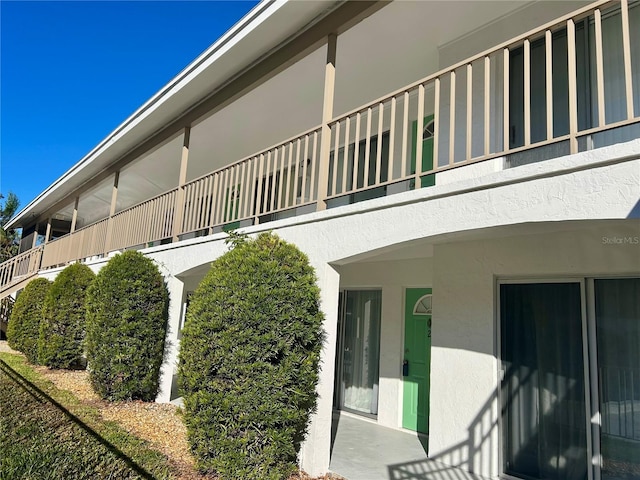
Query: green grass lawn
point(46, 433)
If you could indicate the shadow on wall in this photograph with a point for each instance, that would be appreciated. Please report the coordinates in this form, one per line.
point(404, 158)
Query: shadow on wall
point(460, 461)
point(428, 469)
point(335, 421)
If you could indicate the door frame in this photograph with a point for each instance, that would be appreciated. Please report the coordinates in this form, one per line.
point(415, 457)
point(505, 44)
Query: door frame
point(595, 427)
point(593, 468)
point(338, 398)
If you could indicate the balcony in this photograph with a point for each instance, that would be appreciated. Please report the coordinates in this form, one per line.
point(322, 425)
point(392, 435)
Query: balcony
point(570, 85)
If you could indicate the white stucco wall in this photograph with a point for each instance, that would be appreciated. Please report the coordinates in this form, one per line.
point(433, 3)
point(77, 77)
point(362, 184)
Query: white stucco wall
point(474, 170)
point(464, 367)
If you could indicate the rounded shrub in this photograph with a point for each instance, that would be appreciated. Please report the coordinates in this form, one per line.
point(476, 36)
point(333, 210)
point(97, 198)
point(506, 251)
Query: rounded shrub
point(127, 311)
point(62, 329)
point(24, 323)
point(249, 360)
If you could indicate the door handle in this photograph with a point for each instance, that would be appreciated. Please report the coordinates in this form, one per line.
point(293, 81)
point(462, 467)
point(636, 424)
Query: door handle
point(405, 368)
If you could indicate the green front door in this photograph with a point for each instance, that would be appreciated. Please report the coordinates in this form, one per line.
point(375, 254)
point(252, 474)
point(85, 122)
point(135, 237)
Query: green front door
point(427, 150)
point(231, 208)
point(417, 359)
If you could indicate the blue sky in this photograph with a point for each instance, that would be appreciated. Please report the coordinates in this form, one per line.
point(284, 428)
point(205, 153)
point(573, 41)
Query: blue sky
point(72, 71)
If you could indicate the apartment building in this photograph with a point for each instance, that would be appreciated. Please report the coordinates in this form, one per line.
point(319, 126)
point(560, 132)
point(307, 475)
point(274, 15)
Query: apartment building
point(464, 177)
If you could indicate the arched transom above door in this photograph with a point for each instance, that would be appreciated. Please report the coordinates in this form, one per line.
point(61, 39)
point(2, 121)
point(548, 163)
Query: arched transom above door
point(423, 305)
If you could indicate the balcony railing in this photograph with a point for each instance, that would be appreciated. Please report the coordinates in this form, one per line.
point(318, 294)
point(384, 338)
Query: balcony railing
point(545, 93)
point(20, 267)
point(280, 178)
point(524, 96)
point(146, 222)
point(85, 242)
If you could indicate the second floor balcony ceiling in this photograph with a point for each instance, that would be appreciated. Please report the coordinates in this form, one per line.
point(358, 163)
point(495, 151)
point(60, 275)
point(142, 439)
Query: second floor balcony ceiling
point(419, 89)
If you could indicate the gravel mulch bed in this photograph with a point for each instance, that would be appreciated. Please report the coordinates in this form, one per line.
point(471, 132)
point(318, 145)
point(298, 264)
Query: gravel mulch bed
point(158, 423)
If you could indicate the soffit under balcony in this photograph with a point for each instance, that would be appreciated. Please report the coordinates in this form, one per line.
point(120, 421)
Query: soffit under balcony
point(93, 205)
point(283, 106)
point(409, 40)
point(153, 174)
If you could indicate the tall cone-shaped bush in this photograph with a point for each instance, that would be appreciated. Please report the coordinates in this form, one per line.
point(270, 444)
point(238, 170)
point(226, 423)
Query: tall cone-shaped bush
point(249, 360)
point(24, 324)
point(62, 330)
point(127, 311)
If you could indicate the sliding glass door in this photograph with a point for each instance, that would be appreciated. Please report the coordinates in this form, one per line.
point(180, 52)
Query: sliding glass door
point(543, 388)
point(617, 317)
point(358, 352)
point(570, 388)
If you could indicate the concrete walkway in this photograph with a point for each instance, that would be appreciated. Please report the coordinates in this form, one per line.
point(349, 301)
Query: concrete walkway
point(363, 450)
point(4, 347)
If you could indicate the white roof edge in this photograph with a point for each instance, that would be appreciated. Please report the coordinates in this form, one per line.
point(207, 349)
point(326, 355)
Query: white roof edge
point(256, 16)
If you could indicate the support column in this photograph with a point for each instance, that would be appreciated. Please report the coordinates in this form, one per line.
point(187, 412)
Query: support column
point(74, 218)
point(172, 342)
point(35, 236)
point(178, 210)
point(315, 451)
point(327, 116)
point(48, 233)
point(112, 211)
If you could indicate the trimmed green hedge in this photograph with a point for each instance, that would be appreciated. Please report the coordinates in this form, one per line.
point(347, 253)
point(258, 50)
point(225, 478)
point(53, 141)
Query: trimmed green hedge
point(127, 312)
point(62, 329)
point(249, 360)
point(24, 324)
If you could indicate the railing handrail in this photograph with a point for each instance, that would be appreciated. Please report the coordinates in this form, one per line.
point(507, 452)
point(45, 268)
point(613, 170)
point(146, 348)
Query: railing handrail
point(87, 226)
point(105, 219)
point(316, 129)
point(12, 270)
point(586, 10)
point(213, 172)
point(27, 253)
point(168, 192)
point(53, 240)
point(221, 169)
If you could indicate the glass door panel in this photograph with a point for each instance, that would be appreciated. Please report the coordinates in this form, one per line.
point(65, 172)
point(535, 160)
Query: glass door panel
point(617, 307)
point(543, 386)
point(360, 350)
